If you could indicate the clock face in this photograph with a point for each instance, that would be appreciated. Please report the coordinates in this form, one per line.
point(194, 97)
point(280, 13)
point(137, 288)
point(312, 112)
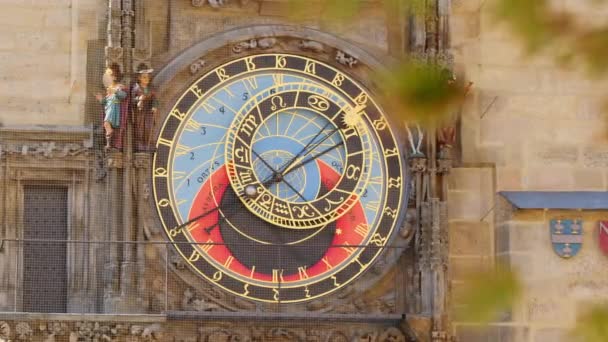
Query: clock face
point(278, 178)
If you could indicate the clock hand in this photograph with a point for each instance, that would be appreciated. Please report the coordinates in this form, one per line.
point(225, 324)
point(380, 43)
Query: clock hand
point(197, 218)
point(282, 168)
point(277, 175)
point(210, 228)
point(212, 210)
point(288, 168)
point(352, 111)
point(313, 158)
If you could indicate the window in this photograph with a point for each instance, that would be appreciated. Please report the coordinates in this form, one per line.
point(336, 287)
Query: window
point(45, 219)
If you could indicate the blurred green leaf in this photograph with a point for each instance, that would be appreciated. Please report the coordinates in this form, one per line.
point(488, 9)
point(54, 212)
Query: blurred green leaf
point(341, 10)
point(593, 46)
point(592, 326)
point(337, 11)
point(417, 6)
point(487, 294)
point(298, 10)
point(531, 20)
point(420, 92)
point(541, 26)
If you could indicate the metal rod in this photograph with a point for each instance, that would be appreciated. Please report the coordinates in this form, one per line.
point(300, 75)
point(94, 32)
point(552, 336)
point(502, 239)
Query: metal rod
point(286, 316)
point(16, 277)
point(166, 278)
point(190, 243)
point(5, 203)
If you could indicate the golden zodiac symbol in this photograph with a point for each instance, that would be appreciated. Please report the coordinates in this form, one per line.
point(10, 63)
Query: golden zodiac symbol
point(391, 152)
point(160, 172)
point(338, 80)
point(249, 125)
point(361, 99)
point(318, 103)
point(280, 103)
point(250, 65)
point(378, 240)
point(197, 91)
point(336, 284)
point(221, 73)
point(280, 208)
point(351, 172)
point(194, 256)
point(266, 200)
point(380, 124)
point(303, 211)
point(394, 182)
point(281, 62)
point(331, 203)
point(174, 232)
point(390, 212)
point(241, 154)
point(176, 113)
point(310, 68)
point(164, 203)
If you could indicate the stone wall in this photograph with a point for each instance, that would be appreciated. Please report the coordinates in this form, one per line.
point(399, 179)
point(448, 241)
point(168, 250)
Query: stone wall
point(43, 60)
point(178, 24)
point(541, 125)
point(529, 125)
point(45, 53)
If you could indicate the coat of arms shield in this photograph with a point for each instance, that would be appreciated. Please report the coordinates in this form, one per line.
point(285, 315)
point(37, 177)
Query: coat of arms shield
point(603, 236)
point(566, 236)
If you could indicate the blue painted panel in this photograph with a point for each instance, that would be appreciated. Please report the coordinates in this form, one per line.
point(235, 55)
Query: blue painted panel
point(586, 200)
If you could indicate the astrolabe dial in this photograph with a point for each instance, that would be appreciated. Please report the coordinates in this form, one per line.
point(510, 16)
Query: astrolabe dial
point(280, 163)
point(278, 178)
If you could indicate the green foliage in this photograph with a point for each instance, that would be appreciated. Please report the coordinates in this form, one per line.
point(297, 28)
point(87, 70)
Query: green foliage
point(541, 27)
point(594, 50)
point(487, 294)
point(339, 11)
point(416, 6)
point(342, 11)
point(529, 19)
point(592, 326)
point(420, 92)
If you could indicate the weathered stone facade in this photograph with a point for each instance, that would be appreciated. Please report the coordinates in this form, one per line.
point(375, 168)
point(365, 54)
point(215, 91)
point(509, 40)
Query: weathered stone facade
point(527, 125)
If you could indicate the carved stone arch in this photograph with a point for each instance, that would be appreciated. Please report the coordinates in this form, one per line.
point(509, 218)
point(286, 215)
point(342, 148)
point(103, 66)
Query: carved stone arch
point(192, 54)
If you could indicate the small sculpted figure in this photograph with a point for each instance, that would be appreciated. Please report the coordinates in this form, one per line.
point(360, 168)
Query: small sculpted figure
point(114, 106)
point(145, 110)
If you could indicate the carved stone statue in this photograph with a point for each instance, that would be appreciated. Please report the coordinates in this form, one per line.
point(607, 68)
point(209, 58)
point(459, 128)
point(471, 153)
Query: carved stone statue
point(5, 330)
point(114, 106)
point(145, 110)
point(23, 331)
point(345, 59)
point(311, 45)
point(191, 303)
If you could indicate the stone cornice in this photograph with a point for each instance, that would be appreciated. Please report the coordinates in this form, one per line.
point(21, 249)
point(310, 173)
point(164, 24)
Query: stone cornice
point(45, 133)
point(46, 141)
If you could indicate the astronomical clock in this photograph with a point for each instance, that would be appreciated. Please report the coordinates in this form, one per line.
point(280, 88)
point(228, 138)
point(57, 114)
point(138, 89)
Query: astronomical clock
point(279, 178)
